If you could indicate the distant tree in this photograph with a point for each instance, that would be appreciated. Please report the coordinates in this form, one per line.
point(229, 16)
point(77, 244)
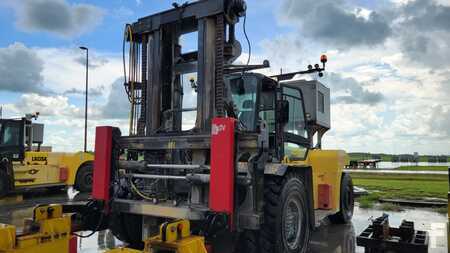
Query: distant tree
point(395, 159)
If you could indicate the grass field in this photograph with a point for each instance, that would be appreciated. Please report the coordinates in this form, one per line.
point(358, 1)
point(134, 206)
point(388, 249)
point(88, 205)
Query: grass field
point(400, 187)
point(430, 168)
point(384, 157)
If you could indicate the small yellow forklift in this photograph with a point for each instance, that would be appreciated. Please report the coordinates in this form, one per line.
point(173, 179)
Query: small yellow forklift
point(25, 166)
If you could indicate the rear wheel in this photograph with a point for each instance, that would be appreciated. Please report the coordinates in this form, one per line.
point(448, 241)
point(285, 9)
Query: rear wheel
point(84, 178)
point(347, 204)
point(286, 227)
point(4, 184)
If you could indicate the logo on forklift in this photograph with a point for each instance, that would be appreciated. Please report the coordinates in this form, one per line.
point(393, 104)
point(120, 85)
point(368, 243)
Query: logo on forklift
point(216, 129)
point(39, 159)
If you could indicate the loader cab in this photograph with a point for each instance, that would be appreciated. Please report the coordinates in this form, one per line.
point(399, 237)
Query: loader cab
point(259, 98)
point(12, 139)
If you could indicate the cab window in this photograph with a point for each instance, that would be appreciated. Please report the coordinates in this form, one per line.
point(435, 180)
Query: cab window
point(294, 151)
point(296, 124)
point(243, 92)
point(11, 135)
point(267, 109)
point(294, 145)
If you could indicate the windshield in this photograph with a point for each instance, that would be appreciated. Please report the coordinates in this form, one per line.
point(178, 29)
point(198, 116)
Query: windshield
point(11, 135)
point(244, 92)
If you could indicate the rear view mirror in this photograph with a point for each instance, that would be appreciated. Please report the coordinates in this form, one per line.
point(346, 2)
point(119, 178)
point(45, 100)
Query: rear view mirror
point(283, 111)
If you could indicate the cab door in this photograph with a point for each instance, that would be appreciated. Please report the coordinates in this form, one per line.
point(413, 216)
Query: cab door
point(296, 142)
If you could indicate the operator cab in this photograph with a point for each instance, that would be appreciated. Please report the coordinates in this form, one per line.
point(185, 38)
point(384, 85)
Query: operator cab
point(258, 98)
point(18, 136)
point(12, 139)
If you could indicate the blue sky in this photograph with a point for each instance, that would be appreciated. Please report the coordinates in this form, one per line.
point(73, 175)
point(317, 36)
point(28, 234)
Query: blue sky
point(388, 71)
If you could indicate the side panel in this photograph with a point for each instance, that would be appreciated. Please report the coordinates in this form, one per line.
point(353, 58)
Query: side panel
point(221, 187)
point(43, 168)
point(102, 163)
point(327, 166)
point(36, 169)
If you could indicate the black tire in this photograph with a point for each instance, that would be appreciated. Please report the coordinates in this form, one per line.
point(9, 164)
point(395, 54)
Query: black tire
point(83, 181)
point(286, 227)
point(347, 202)
point(4, 184)
point(128, 229)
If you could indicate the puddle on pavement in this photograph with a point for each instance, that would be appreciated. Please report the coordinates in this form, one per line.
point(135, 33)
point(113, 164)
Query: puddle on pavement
point(326, 239)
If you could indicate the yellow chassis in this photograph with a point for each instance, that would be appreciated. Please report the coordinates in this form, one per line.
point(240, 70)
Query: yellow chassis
point(43, 169)
point(327, 168)
point(48, 231)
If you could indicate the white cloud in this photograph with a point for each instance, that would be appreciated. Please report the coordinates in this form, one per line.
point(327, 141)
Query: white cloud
point(61, 106)
point(413, 116)
point(64, 121)
point(62, 70)
point(56, 16)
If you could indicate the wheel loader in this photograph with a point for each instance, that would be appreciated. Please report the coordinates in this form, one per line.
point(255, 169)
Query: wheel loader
point(25, 166)
point(240, 171)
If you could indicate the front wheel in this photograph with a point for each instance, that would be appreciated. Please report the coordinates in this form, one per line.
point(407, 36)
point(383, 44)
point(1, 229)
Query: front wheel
point(84, 178)
point(347, 204)
point(286, 227)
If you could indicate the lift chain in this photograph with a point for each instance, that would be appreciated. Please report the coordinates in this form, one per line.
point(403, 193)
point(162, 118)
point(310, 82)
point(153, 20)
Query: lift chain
point(219, 87)
point(141, 121)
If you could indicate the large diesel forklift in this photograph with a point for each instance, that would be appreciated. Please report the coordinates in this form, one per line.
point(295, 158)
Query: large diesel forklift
point(248, 176)
point(26, 166)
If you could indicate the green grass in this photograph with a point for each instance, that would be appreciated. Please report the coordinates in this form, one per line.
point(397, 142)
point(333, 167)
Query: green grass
point(405, 189)
point(367, 201)
point(428, 168)
point(399, 187)
point(384, 157)
point(405, 177)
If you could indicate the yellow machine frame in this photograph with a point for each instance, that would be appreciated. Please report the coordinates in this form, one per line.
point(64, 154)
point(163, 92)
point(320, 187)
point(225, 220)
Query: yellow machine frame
point(327, 168)
point(49, 231)
point(173, 237)
point(42, 169)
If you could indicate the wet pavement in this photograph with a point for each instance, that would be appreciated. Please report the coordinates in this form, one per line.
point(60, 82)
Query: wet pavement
point(327, 238)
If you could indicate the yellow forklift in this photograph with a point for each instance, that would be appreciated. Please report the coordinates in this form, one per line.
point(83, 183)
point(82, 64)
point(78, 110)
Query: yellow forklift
point(25, 166)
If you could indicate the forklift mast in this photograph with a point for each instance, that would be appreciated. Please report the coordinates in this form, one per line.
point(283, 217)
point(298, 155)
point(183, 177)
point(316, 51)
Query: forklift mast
point(156, 39)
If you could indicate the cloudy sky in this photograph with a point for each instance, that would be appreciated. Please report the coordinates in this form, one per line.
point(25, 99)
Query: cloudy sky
point(388, 70)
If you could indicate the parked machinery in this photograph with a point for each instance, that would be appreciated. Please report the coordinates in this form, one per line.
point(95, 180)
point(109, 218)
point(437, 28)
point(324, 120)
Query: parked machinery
point(25, 165)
